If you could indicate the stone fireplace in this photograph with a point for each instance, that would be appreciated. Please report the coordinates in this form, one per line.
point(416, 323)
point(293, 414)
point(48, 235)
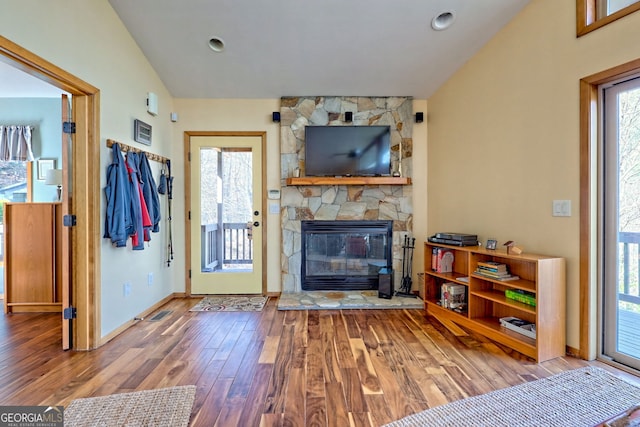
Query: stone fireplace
point(342, 202)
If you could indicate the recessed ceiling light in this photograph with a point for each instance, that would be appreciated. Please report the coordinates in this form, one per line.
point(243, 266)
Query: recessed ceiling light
point(216, 44)
point(443, 20)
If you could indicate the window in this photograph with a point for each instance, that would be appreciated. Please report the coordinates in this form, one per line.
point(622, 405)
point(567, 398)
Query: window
point(593, 14)
point(14, 182)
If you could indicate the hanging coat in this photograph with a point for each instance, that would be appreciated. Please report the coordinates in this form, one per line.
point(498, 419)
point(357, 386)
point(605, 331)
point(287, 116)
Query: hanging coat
point(118, 224)
point(150, 194)
point(137, 205)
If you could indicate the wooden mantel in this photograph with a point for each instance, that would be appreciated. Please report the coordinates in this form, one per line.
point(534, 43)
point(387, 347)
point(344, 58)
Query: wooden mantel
point(352, 180)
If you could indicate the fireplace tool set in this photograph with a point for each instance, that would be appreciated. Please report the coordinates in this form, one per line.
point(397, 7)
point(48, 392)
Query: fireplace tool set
point(407, 261)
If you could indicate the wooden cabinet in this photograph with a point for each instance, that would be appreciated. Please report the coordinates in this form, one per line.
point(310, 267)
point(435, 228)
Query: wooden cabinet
point(540, 276)
point(32, 264)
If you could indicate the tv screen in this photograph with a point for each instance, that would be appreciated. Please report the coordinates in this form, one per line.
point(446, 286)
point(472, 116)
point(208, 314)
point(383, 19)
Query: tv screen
point(347, 151)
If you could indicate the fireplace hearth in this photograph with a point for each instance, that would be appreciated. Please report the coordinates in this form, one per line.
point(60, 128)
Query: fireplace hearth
point(344, 255)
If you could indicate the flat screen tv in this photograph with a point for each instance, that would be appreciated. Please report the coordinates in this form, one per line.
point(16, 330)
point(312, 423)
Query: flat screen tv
point(347, 151)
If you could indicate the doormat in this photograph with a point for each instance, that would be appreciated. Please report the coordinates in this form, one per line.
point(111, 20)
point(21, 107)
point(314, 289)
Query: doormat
point(228, 303)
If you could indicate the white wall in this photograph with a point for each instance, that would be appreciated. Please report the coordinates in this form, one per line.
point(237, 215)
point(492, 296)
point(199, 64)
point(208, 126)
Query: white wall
point(87, 39)
point(421, 190)
point(232, 115)
point(504, 134)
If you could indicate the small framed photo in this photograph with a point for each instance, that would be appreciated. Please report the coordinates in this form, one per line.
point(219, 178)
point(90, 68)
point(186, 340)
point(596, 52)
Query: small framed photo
point(43, 166)
point(491, 244)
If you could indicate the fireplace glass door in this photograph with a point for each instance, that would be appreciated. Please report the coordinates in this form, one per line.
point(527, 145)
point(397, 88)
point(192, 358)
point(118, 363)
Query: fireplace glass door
point(344, 255)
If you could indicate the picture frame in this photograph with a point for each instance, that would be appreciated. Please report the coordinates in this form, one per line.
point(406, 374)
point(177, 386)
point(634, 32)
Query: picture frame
point(492, 244)
point(43, 165)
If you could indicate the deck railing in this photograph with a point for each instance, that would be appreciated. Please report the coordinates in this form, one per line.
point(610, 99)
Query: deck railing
point(209, 247)
point(229, 246)
point(630, 243)
point(238, 247)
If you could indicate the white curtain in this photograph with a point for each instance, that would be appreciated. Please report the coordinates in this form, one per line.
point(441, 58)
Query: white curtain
point(15, 143)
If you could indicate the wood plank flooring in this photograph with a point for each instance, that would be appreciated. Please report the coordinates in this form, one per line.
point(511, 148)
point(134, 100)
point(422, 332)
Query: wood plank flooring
point(271, 368)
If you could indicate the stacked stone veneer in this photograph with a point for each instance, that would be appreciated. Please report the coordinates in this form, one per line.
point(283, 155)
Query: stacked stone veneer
point(352, 202)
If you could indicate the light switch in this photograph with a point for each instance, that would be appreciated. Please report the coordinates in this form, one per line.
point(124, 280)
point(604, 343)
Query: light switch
point(561, 208)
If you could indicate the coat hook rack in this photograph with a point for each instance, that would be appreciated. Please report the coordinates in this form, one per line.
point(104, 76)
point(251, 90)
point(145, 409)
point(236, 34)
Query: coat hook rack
point(127, 147)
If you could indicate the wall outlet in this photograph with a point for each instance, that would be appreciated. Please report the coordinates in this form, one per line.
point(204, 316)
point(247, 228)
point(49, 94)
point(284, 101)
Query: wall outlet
point(126, 289)
point(150, 279)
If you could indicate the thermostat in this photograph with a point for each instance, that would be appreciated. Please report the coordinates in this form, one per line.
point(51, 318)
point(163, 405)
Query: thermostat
point(274, 194)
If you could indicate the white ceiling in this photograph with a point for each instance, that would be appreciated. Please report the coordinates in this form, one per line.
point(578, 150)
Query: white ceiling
point(305, 47)
point(297, 47)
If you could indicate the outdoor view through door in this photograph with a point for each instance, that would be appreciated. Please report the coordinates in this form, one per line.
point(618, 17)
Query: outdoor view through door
point(226, 214)
point(620, 222)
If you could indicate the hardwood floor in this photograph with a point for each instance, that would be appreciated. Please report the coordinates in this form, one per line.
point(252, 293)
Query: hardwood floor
point(271, 368)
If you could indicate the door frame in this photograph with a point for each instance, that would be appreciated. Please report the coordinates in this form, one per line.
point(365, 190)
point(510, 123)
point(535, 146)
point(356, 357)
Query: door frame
point(187, 195)
point(589, 256)
point(84, 200)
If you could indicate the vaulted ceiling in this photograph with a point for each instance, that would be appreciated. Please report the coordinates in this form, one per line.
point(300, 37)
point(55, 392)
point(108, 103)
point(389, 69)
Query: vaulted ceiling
point(306, 47)
point(300, 47)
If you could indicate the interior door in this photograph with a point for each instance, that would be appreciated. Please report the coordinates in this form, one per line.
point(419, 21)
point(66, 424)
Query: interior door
point(226, 210)
point(64, 238)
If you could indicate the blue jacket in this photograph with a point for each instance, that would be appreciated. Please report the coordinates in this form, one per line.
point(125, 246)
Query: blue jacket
point(150, 194)
point(118, 224)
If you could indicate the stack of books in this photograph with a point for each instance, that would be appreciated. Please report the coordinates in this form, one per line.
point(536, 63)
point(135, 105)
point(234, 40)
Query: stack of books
point(453, 296)
point(494, 270)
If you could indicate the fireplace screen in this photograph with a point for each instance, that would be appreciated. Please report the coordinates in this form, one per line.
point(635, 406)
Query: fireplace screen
point(344, 255)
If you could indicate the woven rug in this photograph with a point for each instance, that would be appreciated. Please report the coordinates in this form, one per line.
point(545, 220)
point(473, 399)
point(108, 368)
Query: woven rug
point(170, 407)
point(580, 397)
point(228, 303)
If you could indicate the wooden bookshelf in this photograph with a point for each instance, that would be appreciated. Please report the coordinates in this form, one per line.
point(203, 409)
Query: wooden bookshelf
point(540, 275)
point(351, 180)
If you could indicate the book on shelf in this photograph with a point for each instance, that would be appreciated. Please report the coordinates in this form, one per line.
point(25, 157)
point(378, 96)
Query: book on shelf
point(520, 326)
point(496, 276)
point(442, 260)
point(453, 296)
point(521, 296)
point(509, 278)
point(492, 273)
point(492, 266)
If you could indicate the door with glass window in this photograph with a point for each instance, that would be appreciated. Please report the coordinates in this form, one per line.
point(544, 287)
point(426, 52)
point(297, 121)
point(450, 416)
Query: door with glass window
point(620, 223)
point(226, 208)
